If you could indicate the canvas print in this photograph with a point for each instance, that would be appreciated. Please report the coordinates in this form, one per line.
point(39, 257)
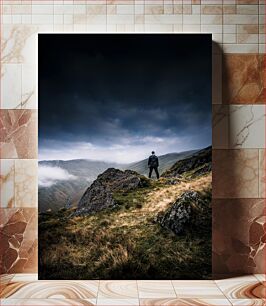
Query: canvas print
point(125, 156)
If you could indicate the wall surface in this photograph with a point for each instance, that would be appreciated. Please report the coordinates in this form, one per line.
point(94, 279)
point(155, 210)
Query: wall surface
point(238, 28)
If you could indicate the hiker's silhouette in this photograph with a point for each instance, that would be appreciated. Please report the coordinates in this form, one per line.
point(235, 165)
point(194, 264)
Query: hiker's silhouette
point(153, 164)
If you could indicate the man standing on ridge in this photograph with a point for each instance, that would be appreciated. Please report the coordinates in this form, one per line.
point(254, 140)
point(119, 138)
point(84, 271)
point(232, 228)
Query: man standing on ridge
point(153, 163)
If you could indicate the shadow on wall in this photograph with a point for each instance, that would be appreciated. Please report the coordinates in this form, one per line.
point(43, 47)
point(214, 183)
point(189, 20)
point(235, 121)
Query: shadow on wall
point(238, 230)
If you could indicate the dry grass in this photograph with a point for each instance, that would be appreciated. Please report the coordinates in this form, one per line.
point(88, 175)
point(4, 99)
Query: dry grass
point(125, 243)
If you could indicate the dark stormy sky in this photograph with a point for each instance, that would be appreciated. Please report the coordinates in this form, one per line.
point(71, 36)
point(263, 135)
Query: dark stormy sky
point(116, 97)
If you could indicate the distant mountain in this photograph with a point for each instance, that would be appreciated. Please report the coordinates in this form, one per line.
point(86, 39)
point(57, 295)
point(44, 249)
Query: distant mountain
point(197, 164)
point(165, 162)
point(67, 193)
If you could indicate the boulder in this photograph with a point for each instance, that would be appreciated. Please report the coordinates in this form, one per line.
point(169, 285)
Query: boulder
point(190, 209)
point(99, 195)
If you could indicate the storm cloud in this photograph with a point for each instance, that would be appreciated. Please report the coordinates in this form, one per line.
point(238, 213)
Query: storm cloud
point(117, 97)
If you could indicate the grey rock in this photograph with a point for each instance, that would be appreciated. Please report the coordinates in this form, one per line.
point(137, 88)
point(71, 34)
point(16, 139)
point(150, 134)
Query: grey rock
point(99, 195)
point(188, 209)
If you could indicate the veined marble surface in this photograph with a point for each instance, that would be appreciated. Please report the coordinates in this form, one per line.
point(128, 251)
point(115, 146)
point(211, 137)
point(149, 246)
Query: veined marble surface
point(24, 289)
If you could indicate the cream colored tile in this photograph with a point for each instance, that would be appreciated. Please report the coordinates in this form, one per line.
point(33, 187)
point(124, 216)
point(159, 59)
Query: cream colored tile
point(125, 289)
point(96, 20)
point(248, 302)
point(240, 19)
point(220, 126)
point(7, 183)
point(191, 28)
point(51, 289)
point(154, 9)
point(209, 28)
point(247, 29)
point(191, 19)
point(120, 19)
point(42, 19)
point(155, 289)
point(164, 28)
point(163, 19)
point(10, 85)
point(247, 9)
point(211, 19)
point(184, 302)
point(58, 19)
point(247, 38)
point(261, 277)
point(96, 9)
point(21, 9)
point(25, 277)
point(117, 302)
point(229, 29)
point(26, 183)
point(48, 302)
point(235, 288)
point(247, 126)
point(229, 38)
point(42, 9)
point(262, 184)
point(240, 48)
point(197, 289)
point(29, 82)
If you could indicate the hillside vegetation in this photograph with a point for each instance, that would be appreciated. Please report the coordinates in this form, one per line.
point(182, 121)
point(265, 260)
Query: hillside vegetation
point(135, 237)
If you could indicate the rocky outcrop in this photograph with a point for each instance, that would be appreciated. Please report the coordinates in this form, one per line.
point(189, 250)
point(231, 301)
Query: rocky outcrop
point(190, 209)
point(193, 166)
point(99, 195)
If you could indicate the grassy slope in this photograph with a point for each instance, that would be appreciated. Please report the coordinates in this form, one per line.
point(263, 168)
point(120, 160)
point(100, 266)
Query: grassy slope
point(125, 243)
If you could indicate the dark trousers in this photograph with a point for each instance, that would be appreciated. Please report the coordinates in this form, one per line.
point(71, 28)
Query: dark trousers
point(156, 171)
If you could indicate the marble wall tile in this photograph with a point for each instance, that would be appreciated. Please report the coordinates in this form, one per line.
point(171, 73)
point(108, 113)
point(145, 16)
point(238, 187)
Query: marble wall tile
point(220, 126)
point(247, 126)
point(18, 129)
point(18, 232)
point(238, 236)
point(7, 183)
point(235, 173)
point(243, 79)
point(126, 289)
point(262, 173)
point(18, 44)
point(156, 289)
point(216, 78)
point(10, 85)
point(26, 186)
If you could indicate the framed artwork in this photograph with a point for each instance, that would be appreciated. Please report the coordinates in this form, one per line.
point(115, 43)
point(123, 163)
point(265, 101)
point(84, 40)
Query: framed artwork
point(125, 174)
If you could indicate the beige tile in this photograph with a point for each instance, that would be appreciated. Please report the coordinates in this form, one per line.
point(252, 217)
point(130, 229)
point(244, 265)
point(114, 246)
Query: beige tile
point(211, 9)
point(248, 302)
point(126, 289)
point(51, 290)
point(48, 302)
point(26, 183)
point(247, 126)
point(25, 277)
point(155, 289)
point(7, 183)
point(241, 287)
point(117, 302)
point(220, 126)
point(235, 173)
point(197, 289)
point(247, 9)
point(260, 277)
point(262, 173)
point(183, 302)
point(10, 85)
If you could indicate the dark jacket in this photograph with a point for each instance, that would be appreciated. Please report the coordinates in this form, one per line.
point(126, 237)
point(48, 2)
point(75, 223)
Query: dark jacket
point(153, 161)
